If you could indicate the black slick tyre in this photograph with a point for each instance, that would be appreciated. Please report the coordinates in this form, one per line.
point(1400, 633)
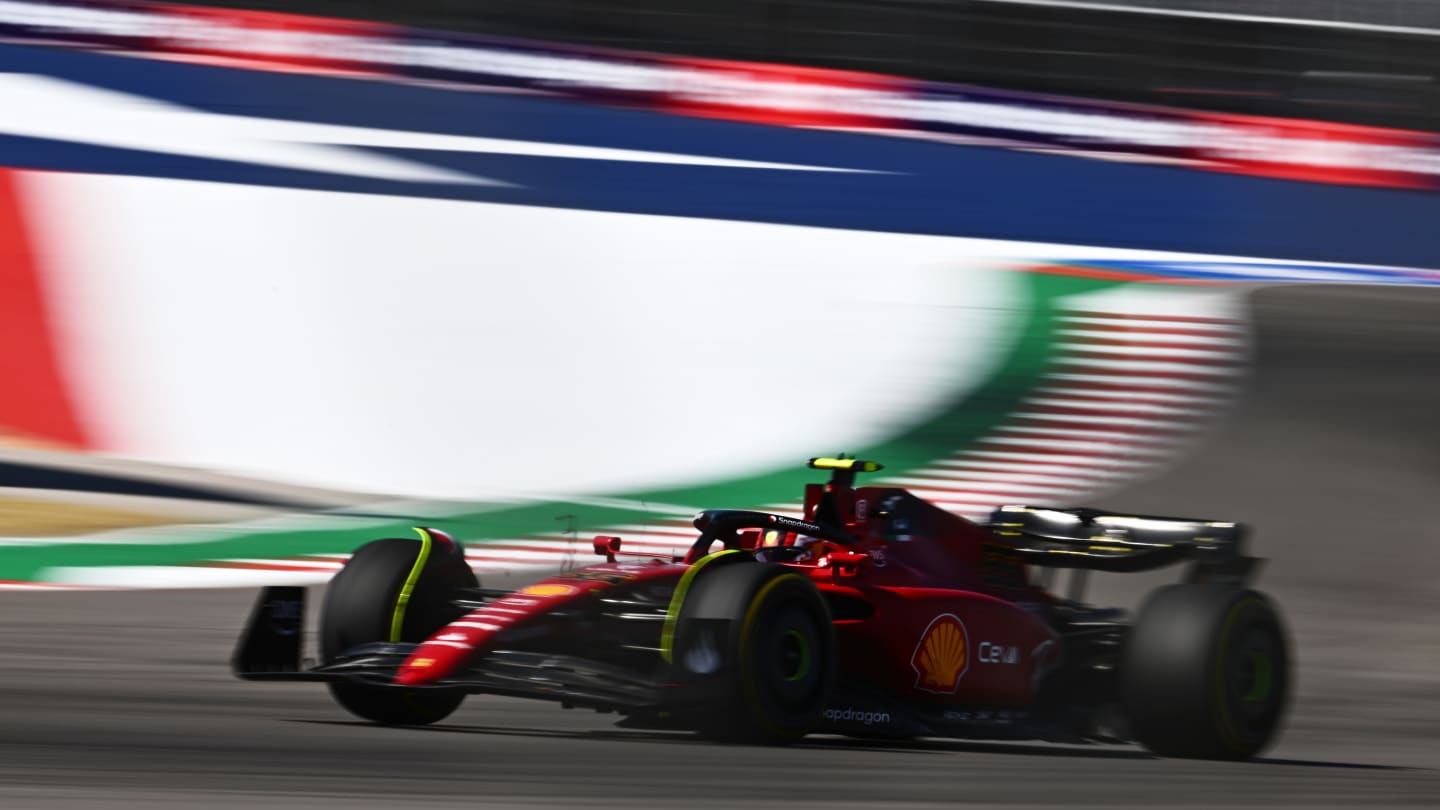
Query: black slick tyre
point(360, 608)
point(761, 636)
point(1205, 672)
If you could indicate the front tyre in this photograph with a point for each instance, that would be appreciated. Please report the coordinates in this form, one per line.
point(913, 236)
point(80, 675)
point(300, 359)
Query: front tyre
point(363, 605)
point(768, 632)
point(1205, 672)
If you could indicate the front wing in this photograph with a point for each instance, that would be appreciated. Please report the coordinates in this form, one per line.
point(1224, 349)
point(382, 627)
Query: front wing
point(272, 650)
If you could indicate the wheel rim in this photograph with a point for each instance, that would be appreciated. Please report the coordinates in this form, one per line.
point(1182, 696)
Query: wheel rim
point(1256, 675)
point(794, 656)
point(789, 665)
point(783, 658)
point(1260, 676)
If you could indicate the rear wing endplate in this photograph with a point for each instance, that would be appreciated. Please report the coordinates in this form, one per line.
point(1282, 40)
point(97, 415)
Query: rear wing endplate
point(1097, 540)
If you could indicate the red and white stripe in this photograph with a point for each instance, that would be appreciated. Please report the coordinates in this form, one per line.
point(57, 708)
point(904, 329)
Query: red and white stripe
point(534, 552)
point(1124, 393)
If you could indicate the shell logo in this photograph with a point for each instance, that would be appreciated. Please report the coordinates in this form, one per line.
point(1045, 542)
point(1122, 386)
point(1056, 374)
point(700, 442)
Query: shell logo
point(548, 589)
point(942, 656)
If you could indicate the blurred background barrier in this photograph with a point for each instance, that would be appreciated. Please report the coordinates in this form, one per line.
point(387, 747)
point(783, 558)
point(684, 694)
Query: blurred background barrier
point(413, 286)
point(404, 287)
point(1369, 62)
point(813, 97)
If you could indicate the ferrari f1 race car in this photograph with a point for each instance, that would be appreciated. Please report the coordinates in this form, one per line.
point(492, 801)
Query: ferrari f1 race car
point(876, 614)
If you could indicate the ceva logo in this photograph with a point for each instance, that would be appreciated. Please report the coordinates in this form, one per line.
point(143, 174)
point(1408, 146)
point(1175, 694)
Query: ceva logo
point(997, 654)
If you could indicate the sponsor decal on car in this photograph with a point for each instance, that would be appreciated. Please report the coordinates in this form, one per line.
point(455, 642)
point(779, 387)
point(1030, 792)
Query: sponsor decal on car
point(549, 589)
point(791, 524)
point(993, 717)
point(942, 655)
point(850, 714)
point(991, 653)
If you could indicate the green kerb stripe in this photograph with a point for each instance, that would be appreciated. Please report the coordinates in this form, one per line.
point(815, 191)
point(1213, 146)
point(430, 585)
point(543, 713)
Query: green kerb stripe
point(397, 620)
point(958, 424)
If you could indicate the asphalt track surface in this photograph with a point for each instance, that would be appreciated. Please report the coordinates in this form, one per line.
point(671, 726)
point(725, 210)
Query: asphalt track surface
point(124, 699)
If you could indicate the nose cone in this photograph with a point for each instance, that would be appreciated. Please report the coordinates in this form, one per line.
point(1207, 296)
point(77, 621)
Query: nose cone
point(447, 652)
point(444, 653)
point(432, 661)
point(453, 646)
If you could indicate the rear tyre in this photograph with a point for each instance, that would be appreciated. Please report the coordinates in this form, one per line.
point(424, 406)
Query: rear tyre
point(1205, 672)
point(762, 635)
point(360, 607)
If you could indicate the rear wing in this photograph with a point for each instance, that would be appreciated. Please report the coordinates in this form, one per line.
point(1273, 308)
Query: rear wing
point(1096, 540)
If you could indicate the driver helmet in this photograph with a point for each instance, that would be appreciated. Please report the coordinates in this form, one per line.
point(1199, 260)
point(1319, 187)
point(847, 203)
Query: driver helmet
point(779, 538)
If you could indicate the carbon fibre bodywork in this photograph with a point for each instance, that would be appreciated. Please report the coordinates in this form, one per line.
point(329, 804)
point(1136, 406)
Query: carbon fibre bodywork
point(938, 627)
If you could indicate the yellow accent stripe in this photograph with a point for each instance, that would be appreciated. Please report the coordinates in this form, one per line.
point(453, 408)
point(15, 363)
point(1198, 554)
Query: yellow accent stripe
point(747, 654)
point(672, 615)
point(843, 464)
point(397, 619)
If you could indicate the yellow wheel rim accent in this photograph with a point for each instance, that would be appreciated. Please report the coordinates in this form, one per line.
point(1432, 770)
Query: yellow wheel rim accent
point(402, 601)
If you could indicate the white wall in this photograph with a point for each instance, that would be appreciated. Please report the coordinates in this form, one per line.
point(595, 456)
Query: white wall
point(456, 349)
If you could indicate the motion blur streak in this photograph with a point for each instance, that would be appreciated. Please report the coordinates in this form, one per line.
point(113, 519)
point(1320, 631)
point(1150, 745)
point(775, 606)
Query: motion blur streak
point(54, 109)
point(258, 271)
point(140, 699)
point(39, 408)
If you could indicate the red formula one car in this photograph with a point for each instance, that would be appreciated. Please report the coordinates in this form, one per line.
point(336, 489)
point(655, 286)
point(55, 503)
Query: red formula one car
point(877, 614)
